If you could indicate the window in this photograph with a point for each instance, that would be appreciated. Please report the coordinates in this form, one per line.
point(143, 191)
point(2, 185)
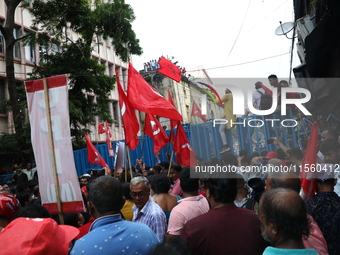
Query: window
point(42, 52)
point(2, 40)
point(16, 49)
point(3, 109)
point(111, 73)
point(115, 108)
point(55, 48)
point(30, 52)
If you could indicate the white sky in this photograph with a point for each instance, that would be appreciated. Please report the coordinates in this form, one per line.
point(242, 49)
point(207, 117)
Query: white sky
point(200, 34)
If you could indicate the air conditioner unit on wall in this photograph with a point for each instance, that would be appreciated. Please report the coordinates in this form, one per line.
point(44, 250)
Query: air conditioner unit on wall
point(305, 26)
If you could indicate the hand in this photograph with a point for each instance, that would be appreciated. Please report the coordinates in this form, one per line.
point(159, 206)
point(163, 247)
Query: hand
point(275, 141)
point(107, 171)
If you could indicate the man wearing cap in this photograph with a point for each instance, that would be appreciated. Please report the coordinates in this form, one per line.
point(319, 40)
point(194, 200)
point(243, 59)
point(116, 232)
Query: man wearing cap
point(109, 233)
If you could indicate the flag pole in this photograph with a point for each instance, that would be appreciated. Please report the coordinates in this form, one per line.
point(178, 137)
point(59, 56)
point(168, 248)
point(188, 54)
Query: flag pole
point(172, 154)
point(51, 145)
point(129, 159)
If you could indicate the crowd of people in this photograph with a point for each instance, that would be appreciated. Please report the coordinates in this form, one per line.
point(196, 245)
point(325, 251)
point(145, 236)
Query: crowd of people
point(162, 210)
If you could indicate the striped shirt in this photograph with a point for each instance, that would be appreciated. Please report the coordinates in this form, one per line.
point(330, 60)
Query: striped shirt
point(153, 216)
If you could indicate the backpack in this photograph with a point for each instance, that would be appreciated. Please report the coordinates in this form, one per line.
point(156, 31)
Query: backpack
point(266, 101)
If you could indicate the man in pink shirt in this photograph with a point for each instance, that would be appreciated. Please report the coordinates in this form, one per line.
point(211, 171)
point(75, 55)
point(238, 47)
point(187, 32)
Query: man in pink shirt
point(191, 206)
point(174, 175)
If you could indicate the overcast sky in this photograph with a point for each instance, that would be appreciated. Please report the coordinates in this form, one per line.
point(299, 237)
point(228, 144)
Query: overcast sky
point(201, 34)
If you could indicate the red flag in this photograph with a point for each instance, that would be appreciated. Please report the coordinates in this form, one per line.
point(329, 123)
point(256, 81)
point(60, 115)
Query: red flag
point(108, 140)
point(173, 123)
point(145, 98)
point(107, 130)
point(183, 148)
point(93, 155)
point(308, 178)
point(169, 69)
point(196, 111)
point(101, 129)
point(155, 131)
point(213, 90)
point(269, 92)
point(131, 125)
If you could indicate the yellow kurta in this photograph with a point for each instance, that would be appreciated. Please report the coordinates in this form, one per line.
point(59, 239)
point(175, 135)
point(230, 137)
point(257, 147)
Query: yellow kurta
point(227, 99)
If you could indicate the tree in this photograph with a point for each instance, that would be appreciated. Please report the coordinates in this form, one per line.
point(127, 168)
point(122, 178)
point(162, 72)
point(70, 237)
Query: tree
point(7, 31)
point(111, 21)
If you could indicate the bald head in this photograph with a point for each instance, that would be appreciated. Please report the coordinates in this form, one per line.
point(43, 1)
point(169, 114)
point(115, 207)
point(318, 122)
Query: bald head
point(286, 180)
point(286, 209)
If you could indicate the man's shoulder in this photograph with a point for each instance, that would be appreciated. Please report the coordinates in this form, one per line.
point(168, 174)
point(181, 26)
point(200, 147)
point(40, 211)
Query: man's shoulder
point(153, 208)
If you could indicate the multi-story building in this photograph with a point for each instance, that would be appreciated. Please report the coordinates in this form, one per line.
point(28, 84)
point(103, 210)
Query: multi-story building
point(27, 57)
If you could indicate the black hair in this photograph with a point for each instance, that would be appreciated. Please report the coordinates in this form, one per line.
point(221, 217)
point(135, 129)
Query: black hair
point(326, 182)
point(287, 210)
point(281, 154)
point(188, 184)
point(264, 153)
point(255, 154)
point(160, 183)
point(243, 153)
point(176, 167)
point(214, 161)
point(157, 169)
point(106, 194)
point(23, 198)
point(272, 76)
point(277, 181)
point(222, 190)
point(229, 159)
point(32, 210)
point(164, 164)
point(71, 219)
point(126, 190)
point(173, 245)
point(246, 159)
point(21, 187)
point(296, 153)
point(329, 145)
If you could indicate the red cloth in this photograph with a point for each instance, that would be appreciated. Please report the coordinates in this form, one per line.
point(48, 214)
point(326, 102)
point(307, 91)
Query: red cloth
point(131, 125)
point(93, 155)
point(309, 185)
point(155, 131)
point(169, 69)
point(145, 98)
point(173, 123)
point(225, 230)
point(83, 230)
point(186, 155)
point(196, 111)
point(101, 129)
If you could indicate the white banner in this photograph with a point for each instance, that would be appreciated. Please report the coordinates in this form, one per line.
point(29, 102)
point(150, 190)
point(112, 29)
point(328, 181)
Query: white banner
point(70, 194)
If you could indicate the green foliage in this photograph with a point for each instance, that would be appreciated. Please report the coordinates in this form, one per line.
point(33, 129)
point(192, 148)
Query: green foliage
point(87, 75)
point(18, 142)
point(110, 20)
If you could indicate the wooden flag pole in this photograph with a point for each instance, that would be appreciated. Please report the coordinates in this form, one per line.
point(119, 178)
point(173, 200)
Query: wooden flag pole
point(51, 145)
point(129, 159)
point(172, 154)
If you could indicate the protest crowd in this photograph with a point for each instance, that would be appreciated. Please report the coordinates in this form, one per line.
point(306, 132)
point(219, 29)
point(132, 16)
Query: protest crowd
point(161, 209)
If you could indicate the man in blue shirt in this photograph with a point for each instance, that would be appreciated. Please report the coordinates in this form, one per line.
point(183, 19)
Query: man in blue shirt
point(109, 233)
point(145, 210)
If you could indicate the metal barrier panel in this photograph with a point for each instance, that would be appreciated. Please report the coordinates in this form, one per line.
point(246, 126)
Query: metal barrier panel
point(257, 130)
